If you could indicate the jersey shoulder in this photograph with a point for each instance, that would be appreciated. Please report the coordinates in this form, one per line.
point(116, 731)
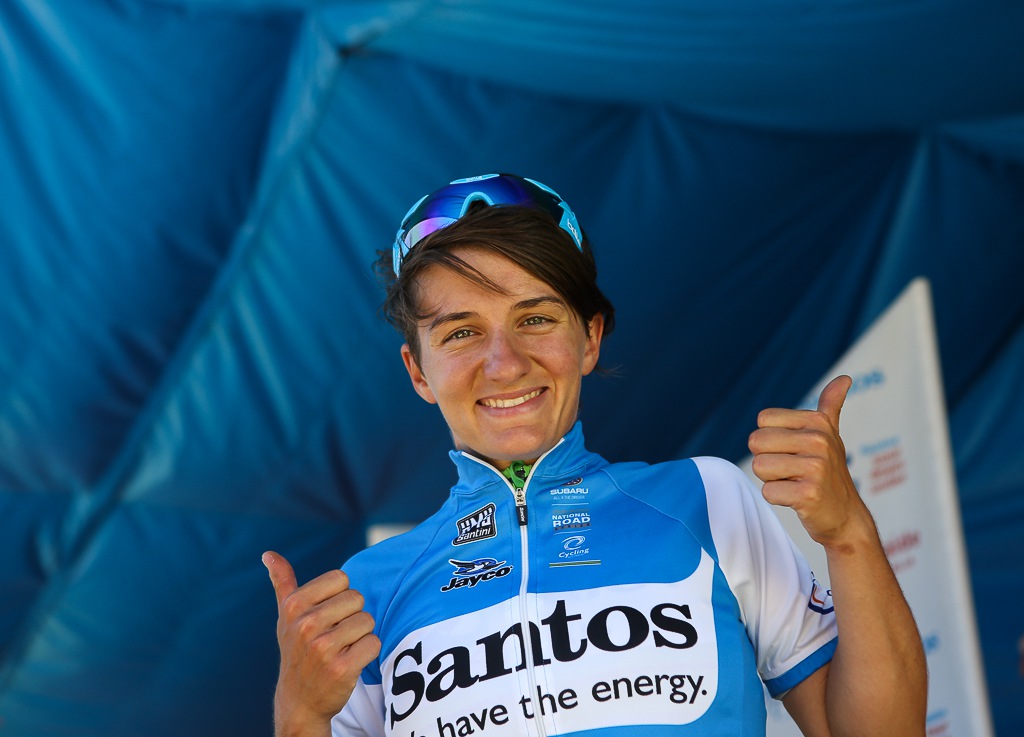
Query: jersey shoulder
point(703, 493)
point(378, 571)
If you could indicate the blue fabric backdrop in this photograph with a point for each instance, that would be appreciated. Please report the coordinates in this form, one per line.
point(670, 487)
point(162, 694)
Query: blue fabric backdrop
point(192, 368)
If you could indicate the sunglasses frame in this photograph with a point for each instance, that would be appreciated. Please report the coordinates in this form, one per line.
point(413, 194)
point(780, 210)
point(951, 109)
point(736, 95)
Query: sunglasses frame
point(444, 206)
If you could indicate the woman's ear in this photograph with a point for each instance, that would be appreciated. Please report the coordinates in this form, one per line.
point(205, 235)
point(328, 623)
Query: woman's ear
point(592, 346)
point(419, 381)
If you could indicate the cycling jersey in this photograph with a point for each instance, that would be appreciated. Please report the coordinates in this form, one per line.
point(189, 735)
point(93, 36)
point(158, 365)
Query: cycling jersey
point(631, 598)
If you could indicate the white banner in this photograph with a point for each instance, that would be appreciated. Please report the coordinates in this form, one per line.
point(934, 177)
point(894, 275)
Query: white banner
point(897, 441)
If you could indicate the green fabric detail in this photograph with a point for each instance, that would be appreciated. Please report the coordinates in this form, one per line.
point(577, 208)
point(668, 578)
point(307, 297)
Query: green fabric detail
point(517, 473)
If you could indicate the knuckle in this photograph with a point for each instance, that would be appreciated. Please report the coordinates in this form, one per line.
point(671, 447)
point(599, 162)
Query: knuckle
point(370, 649)
point(292, 607)
point(770, 492)
point(354, 599)
point(363, 620)
point(307, 628)
point(374, 643)
point(816, 442)
point(321, 646)
point(809, 492)
point(344, 668)
point(817, 466)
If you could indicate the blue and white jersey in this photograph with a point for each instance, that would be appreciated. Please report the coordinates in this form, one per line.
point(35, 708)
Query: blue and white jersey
point(644, 600)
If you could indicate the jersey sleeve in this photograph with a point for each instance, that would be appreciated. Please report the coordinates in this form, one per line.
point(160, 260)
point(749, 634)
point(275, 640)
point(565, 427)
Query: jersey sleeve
point(787, 614)
point(363, 715)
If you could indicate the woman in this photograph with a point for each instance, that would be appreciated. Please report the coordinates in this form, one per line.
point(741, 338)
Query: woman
point(555, 593)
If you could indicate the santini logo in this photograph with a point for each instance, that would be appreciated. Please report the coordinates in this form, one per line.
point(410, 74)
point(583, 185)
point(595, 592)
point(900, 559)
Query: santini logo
point(469, 573)
point(476, 526)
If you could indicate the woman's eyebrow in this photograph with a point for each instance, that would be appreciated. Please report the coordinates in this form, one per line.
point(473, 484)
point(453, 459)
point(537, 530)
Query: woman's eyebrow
point(527, 304)
point(447, 317)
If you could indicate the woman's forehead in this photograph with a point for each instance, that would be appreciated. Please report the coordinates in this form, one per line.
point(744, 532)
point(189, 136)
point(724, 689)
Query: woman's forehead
point(440, 287)
point(475, 272)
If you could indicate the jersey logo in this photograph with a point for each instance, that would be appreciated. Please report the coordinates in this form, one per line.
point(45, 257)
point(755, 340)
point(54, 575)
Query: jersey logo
point(575, 552)
point(574, 519)
point(634, 655)
point(571, 492)
point(468, 573)
point(821, 598)
point(574, 543)
point(478, 525)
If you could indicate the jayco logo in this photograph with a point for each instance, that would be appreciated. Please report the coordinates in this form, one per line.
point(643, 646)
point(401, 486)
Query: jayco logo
point(479, 525)
point(469, 573)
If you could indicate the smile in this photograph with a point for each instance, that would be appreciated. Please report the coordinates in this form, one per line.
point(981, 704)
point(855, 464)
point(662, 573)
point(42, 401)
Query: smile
point(506, 403)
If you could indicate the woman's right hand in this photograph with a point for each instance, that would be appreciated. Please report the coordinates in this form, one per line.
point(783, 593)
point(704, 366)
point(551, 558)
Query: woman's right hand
point(326, 639)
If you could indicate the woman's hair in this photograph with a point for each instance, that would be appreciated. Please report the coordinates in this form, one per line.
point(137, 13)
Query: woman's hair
point(526, 236)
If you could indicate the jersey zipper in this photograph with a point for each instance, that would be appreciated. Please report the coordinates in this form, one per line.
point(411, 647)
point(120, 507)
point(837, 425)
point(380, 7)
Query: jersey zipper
point(522, 515)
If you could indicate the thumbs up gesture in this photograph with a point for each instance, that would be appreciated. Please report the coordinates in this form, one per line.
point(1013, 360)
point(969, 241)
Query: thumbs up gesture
point(326, 639)
point(801, 459)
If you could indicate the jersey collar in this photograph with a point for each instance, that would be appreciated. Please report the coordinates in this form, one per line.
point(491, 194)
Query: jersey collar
point(566, 460)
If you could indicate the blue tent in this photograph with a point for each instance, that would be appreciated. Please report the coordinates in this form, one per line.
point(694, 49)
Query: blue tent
point(193, 370)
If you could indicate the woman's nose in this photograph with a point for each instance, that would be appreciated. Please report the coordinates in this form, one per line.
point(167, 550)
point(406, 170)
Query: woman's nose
point(506, 359)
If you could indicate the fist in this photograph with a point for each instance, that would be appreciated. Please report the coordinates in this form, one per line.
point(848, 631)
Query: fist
point(326, 639)
point(801, 459)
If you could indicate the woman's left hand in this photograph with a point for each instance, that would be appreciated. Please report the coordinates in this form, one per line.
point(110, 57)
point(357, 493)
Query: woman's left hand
point(801, 459)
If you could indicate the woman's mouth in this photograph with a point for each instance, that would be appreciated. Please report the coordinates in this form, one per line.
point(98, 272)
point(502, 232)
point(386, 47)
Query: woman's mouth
point(507, 403)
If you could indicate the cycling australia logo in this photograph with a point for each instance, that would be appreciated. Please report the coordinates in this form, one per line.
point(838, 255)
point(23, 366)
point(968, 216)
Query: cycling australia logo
point(575, 551)
point(479, 525)
point(468, 573)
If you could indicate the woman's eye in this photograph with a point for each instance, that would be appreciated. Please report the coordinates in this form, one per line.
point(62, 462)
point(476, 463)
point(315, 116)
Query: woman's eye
point(459, 335)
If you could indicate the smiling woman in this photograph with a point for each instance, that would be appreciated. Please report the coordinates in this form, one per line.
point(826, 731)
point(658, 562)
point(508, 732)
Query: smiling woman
point(493, 284)
point(504, 364)
point(517, 230)
point(526, 596)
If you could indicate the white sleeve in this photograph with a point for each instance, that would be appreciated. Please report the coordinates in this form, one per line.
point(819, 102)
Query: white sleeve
point(787, 615)
point(363, 715)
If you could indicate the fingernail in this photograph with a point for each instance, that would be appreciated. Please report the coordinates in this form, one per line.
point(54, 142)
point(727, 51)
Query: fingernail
point(267, 559)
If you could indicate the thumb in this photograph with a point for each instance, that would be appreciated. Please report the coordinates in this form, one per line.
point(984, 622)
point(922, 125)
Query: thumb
point(832, 398)
point(282, 576)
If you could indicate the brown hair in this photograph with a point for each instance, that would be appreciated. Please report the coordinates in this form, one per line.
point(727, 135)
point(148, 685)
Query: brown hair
point(526, 236)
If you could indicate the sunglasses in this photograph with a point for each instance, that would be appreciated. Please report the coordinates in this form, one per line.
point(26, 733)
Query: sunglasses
point(446, 205)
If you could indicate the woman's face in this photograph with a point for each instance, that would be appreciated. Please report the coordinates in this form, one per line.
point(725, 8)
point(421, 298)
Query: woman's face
point(505, 369)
